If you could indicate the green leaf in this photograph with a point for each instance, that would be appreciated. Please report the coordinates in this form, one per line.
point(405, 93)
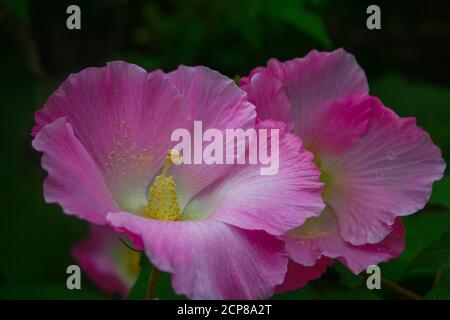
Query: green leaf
point(428, 102)
point(441, 192)
point(439, 292)
point(441, 288)
point(422, 229)
point(294, 13)
point(435, 256)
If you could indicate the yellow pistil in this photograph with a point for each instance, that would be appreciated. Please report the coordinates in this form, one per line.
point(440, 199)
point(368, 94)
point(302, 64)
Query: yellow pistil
point(162, 199)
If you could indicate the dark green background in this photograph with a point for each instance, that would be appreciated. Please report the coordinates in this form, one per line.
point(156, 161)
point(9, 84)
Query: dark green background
point(407, 64)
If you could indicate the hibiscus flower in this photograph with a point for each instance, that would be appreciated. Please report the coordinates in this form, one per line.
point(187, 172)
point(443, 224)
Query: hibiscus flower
point(105, 135)
point(376, 166)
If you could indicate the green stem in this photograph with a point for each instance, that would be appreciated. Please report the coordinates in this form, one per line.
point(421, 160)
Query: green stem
point(399, 290)
point(438, 276)
point(152, 284)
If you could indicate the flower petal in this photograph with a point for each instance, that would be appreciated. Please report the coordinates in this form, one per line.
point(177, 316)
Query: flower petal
point(389, 172)
point(298, 90)
point(73, 181)
point(298, 275)
point(266, 91)
point(338, 127)
point(321, 237)
point(273, 203)
point(209, 259)
point(107, 261)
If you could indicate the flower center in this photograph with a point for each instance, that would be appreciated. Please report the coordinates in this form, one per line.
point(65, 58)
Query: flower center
point(326, 177)
point(162, 199)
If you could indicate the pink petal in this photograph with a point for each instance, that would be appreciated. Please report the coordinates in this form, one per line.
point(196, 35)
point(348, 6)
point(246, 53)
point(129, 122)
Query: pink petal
point(346, 123)
point(298, 275)
point(273, 203)
point(209, 259)
point(389, 172)
point(74, 181)
point(321, 237)
point(107, 261)
point(298, 90)
point(213, 98)
point(266, 92)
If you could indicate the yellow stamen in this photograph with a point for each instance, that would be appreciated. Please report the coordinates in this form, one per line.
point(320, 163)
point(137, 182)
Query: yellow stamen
point(162, 199)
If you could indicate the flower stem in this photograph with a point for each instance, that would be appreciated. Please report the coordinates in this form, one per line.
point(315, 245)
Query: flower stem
point(399, 290)
point(152, 284)
point(438, 277)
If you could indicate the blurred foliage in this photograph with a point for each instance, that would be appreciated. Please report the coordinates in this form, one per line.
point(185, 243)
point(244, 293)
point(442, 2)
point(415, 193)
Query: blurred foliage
point(441, 287)
point(407, 64)
point(441, 192)
point(436, 256)
point(19, 7)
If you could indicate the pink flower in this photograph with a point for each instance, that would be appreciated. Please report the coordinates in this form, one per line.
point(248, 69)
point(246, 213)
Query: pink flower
point(376, 166)
point(107, 261)
point(105, 134)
